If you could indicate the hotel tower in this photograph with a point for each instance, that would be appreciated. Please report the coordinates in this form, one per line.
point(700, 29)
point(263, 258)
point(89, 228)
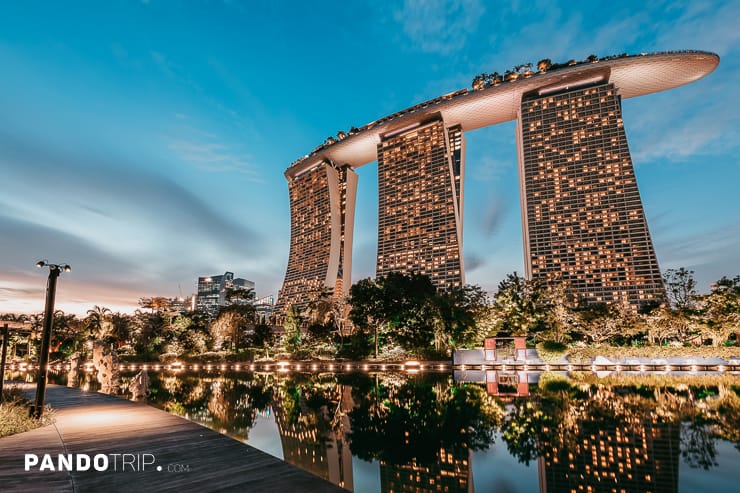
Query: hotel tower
point(582, 217)
point(420, 202)
point(582, 214)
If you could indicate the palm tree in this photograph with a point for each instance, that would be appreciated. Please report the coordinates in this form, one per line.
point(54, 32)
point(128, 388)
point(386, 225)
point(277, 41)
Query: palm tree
point(97, 322)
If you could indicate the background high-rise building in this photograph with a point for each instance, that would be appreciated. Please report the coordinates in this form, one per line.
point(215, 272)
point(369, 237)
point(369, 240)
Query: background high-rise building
point(212, 290)
point(420, 201)
point(583, 218)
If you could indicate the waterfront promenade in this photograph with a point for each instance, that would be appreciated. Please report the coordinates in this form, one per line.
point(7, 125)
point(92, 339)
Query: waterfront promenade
point(191, 457)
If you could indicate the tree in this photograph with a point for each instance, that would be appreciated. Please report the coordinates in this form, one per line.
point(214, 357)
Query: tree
point(367, 313)
point(398, 307)
point(189, 333)
point(97, 322)
point(148, 333)
point(263, 338)
point(559, 308)
point(155, 304)
point(719, 311)
point(231, 322)
point(602, 322)
point(293, 324)
point(238, 295)
point(680, 287)
point(120, 328)
point(458, 312)
point(519, 306)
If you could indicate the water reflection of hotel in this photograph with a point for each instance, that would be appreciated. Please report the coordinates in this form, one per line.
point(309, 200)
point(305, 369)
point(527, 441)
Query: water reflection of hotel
point(450, 472)
point(322, 452)
point(639, 456)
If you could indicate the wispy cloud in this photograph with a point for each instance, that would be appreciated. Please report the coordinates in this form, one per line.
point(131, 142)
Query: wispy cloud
point(214, 157)
point(493, 217)
point(712, 253)
point(439, 26)
point(112, 226)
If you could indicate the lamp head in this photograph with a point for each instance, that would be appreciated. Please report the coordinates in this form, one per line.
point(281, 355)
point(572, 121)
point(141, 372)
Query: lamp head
point(67, 268)
point(40, 263)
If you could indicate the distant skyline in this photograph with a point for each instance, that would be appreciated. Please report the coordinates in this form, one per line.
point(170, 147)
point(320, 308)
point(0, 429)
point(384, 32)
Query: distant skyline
point(145, 143)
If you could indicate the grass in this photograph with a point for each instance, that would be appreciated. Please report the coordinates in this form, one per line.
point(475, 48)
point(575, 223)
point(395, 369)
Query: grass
point(586, 354)
point(14, 410)
point(730, 381)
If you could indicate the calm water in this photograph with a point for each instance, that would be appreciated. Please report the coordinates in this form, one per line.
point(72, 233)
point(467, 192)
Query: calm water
point(423, 433)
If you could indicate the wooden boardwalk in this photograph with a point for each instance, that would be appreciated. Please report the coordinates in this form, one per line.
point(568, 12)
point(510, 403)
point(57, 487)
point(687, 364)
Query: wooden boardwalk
point(191, 457)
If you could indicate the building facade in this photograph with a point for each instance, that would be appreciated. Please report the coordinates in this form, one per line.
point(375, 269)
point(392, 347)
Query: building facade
point(420, 203)
point(322, 202)
point(212, 290)
point(584, 221)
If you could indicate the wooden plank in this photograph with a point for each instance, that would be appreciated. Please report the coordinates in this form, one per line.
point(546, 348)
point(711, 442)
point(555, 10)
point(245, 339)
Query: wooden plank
point(93, 423)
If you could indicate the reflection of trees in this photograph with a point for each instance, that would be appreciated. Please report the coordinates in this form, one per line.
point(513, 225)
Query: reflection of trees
point(417, 418)
point(228, 404)
point(422, 432)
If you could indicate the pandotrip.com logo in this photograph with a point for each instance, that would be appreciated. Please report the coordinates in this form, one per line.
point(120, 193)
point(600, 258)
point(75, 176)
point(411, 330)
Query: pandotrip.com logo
point(124, 462)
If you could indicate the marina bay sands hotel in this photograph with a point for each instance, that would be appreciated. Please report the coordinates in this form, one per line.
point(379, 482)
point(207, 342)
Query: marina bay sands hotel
point(583, 219)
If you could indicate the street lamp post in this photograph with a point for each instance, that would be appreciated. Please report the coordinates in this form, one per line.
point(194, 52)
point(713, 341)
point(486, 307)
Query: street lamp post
point(4, 332)
point(51, 287)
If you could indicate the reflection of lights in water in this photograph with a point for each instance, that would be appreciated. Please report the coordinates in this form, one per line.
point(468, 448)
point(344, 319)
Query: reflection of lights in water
point(331, 367)
point(144, 367)
point(441, 367)
point(223, 367)
point(251, 367)
point(298, 367)
point(382, 367)
point(348, 367)
point(364, 367)
point(266, 367)
point(314, 367)
point(195, 367)
point(86, 387)
point(121, 367)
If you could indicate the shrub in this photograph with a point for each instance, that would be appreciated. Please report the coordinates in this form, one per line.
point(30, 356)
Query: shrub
point(551, 351)
point(14, 413)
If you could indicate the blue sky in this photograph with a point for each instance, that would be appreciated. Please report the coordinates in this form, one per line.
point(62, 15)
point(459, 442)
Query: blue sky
point(145, 142)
